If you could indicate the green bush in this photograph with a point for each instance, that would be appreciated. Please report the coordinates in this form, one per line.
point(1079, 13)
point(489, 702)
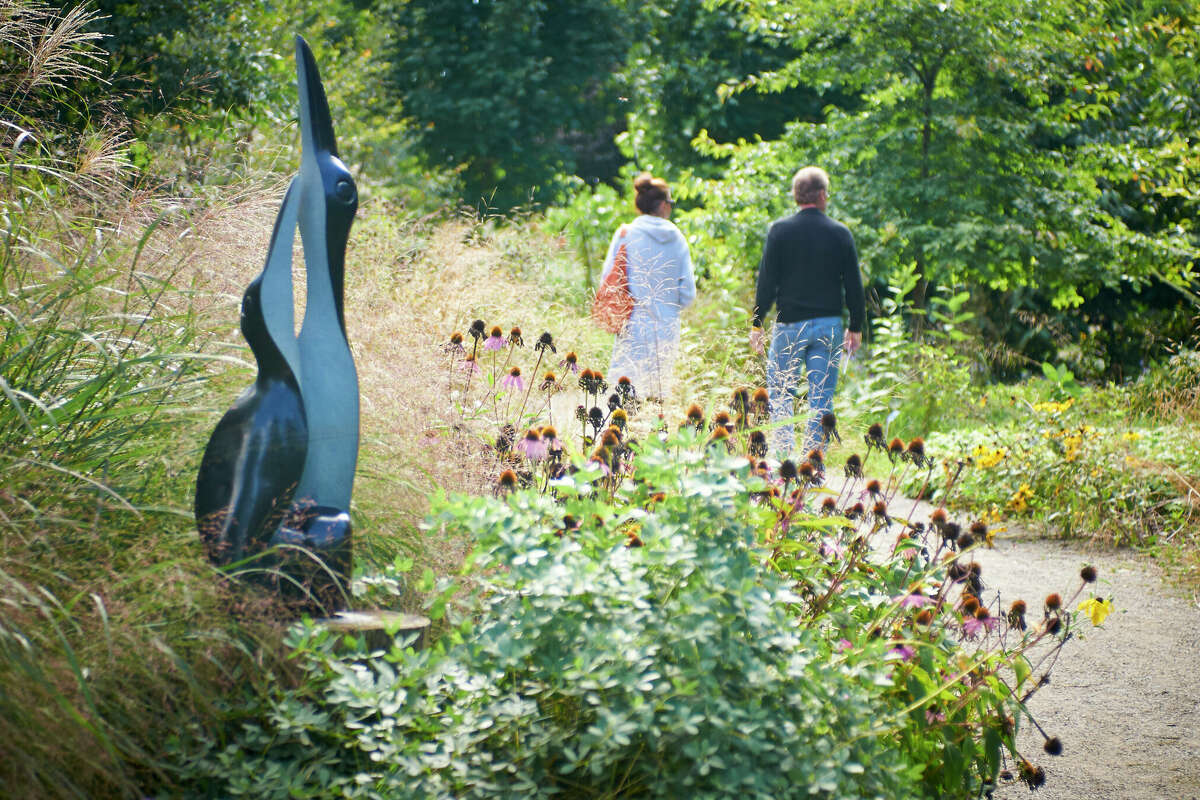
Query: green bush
point(685, 632)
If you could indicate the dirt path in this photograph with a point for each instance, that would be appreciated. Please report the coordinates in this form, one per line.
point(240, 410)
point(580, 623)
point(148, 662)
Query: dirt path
point(1125, 698)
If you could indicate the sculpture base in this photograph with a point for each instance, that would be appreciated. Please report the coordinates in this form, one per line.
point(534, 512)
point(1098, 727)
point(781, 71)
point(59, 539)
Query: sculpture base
point(379, 628)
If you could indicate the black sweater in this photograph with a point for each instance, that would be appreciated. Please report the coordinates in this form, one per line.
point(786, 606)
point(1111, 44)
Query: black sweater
point(809, 264)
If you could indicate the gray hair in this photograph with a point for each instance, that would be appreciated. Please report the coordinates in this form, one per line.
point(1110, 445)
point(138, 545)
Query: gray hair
point(808, 184)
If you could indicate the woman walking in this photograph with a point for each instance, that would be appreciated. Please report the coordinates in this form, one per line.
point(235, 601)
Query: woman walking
point(659, 269)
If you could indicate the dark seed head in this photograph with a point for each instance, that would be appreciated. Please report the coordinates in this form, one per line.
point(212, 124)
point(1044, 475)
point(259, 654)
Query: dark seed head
point(1088, 574)
point(1053, 602)
point(787, 470)
point(1053, 746)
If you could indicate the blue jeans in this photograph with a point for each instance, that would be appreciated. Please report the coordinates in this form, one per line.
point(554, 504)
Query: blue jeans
point(814, 346)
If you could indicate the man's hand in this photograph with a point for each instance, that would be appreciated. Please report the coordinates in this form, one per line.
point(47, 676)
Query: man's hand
point(851, 342)
point(756, 339)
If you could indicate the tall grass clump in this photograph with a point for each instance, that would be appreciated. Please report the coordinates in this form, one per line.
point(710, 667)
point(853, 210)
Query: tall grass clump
point(113, 630)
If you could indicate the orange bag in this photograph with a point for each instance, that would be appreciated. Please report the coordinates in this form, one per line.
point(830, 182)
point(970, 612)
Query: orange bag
point(613, 303)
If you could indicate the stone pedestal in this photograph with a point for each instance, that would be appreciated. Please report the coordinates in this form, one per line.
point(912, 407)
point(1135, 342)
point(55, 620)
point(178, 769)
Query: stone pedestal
point(380, 628)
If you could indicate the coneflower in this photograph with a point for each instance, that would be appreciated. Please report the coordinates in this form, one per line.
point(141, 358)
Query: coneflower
point(514, 337)
point(855, 512)
point(807, 471)
point(507, 481)
point(938, 519)
point(950, 532)
point(979, 529)
point(1053, 602)
point(614, 401)
point(532, 445)
point(545, 342)
point(816, 459)
point(611, 438)
point(513, 380)
point(895, 449)
point(504, 440)
point(924, 617)
point(787, 470)
point(721, 419)
point(880, 510)
point(854, 466)
point(549, 381)
point(916, 453)
point(874, 437)
point(694, 416)
point(874, 487)
point(1016, 614)
point(966, 541)
point(757, 447)
point(1053, 746)
point(570, 362)
point(1088, 574)
point(496, 340)
point(828, 506)
point(456, 344)
point(470, 366)
point(829, 427)
point(477, 329)
point(595, 417)
point(719, 434)
point(625, 389)
point(739, 402)
point(620, 418)
point(760, 403)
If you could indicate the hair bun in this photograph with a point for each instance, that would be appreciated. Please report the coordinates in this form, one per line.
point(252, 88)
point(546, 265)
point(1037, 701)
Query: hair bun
point(643, 182)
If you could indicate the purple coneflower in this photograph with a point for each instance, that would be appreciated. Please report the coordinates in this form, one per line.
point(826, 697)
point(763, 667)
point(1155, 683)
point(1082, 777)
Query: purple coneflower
point(513, 380)
point(549, 381)
point(902, 652)
point(514, 337)
point(545, 342)
point(532, 445)
point(570, 362)
point(913, 600)
point(496, 340)
point(469, 364)
point(456, 344)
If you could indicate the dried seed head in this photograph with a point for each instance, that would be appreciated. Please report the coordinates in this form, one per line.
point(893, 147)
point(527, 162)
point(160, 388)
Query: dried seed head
point(854, 466)
point(1053, 625)
point(978, 529)
point(916, 447)
point(896, 446)
point(924, 617)
point(1088, 574)
point(456, 338)
point(879, 509)
point(1053, 746)
point(695, 414)
point(807, 470)
point(1053, 602)
point(875, 432)
point(965, 541)
point(969, 605)
point(815, 457)
point(874, 487)
point(828, 505)
point(1017, 608)
point(508, 479)
point(938, 518)
point(787, 470)
point(981, 613)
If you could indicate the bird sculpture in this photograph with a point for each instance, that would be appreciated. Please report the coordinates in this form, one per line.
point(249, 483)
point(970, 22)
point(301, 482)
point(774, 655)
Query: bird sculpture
point(278, 471)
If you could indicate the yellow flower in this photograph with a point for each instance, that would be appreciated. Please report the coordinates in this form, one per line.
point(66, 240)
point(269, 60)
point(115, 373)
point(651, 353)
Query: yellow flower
point(1131, 436)
point(1097, 609)
point(1020, 499)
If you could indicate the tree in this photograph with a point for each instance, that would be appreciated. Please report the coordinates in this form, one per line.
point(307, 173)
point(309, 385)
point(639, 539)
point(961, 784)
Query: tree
point(508, 92)
point(960, 159)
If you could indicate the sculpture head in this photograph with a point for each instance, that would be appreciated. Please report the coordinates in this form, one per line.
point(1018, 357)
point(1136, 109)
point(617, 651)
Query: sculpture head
point(321, 169)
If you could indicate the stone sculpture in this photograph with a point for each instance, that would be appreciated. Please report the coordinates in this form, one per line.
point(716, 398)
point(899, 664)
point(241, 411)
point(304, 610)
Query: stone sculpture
point(279, 468)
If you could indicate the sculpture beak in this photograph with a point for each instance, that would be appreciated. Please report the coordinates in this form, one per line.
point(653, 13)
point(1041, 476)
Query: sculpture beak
point(316, 123)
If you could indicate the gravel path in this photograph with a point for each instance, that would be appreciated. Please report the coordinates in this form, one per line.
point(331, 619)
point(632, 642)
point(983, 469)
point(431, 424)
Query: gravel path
point(1125, 698)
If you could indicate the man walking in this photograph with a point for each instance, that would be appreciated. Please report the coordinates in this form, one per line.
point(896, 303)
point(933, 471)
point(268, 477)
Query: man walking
point(809, 269)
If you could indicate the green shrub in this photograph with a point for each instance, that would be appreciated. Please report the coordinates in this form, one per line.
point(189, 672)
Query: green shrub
point(681, 632)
